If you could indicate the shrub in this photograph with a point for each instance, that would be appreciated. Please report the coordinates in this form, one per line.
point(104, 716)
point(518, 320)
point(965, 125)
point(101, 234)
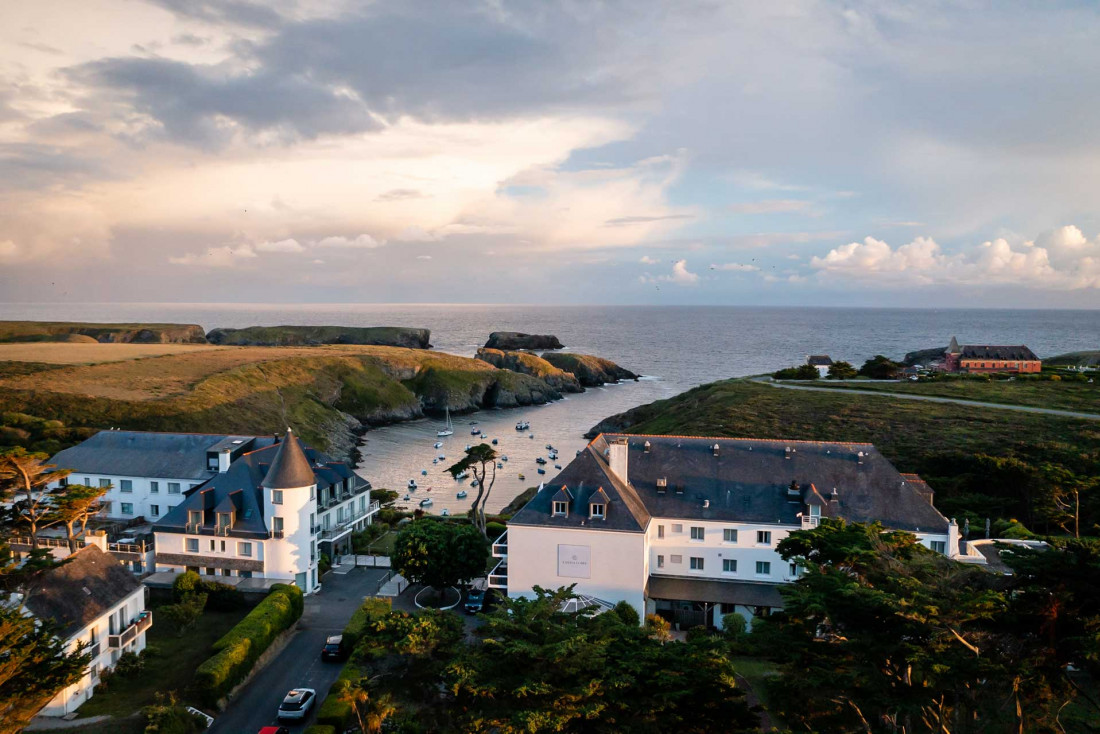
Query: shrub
point(184, 614)
point(220, 597)
point(495, 529)
point(129, 664)
point(333, 712)
point(371, 610)
point(627, 613)
point(237, 651)
point(802, 372)
point(324, 565)
point(734, 626)
point(320, 729)
point(658, 627)
point(167, 716)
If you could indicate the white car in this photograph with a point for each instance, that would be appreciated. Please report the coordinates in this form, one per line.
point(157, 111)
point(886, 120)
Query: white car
point(297, 703)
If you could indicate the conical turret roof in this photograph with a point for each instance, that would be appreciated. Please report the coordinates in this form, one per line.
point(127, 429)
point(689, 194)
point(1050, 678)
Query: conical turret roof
point(290, 468)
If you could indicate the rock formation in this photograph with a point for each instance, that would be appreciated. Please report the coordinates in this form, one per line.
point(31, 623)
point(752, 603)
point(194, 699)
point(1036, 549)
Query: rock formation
point(529, 363)
point(511, 340)
point(298, 336)
point(589, 370)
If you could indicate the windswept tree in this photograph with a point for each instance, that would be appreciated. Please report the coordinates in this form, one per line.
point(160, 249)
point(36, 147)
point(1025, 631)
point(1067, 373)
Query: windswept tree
point(24, 477)
point(842, 371)
point(371, 710)
point(481, 461)
point(440, 554)
point(73, 506)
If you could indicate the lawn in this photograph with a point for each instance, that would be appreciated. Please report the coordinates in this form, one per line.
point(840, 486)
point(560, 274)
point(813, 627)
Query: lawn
point(1076, 396)
point(383, 546)
point(169, 667)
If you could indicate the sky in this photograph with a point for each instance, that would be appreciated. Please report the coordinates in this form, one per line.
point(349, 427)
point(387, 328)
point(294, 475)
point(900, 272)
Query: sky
point(790, 152)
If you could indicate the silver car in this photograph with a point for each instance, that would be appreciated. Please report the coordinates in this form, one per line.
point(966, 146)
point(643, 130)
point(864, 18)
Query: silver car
point(297, 703)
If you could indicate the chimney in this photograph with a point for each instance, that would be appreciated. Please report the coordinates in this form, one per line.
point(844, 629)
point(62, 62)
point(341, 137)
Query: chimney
point(97, 538)
point(706, 504)
point(646, 447)
point(223, 461)
point(617, 458)
point(716, 449)
point(834, 496)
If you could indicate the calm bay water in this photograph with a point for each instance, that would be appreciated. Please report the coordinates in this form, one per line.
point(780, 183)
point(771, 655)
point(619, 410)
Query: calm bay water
point(675, 347)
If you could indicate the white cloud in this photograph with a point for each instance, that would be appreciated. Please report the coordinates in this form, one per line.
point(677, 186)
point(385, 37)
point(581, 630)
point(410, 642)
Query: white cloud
point(736, 267)
point(681, 275)
point(769, 206)
point(362, 242)
point(414, 233)
point(423, 257)
point(647, 260)
point(216, 257)
point(287, 245)
point(1062, 258)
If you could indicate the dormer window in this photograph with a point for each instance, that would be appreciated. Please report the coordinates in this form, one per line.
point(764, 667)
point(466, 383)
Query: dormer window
point(561, 509)
point(225, 519)
point(596, 511)
point(646, 447)
point(194, 517)
point(662, 485)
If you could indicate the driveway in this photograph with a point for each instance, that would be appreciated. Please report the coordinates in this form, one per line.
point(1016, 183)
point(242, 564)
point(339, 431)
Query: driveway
point(299, 664)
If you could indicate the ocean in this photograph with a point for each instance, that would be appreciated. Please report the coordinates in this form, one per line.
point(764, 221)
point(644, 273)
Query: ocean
point(675, 348)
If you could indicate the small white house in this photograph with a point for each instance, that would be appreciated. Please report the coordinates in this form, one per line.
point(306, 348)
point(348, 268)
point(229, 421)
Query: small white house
point(94, 599)
point(820, 362)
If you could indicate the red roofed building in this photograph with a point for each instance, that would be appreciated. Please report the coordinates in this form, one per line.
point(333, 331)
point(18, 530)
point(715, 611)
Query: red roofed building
point(984, 358)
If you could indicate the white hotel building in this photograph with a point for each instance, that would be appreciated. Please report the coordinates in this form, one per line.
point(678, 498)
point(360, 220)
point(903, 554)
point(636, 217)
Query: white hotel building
point(228, 506)
point(688, 527)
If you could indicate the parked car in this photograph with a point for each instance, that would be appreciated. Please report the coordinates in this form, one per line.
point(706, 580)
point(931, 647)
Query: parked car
point(274, 730)
point(334, 648)
point(297, 703)
point(475, 601)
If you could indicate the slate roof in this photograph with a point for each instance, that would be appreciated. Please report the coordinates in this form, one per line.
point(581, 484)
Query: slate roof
point(239, 488)
point(747, 481)
point(819, 360)
point(81, 590)
point(1018, 353)
point(147, 454)
point(290, 468)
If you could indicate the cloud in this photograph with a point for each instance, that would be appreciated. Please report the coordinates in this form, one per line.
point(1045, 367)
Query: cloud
point(362, 242)
point(216, 257)
point(624, 221)
point(680, 274)
point(769, 206)
point(414, 233)
point(647, 260)
point(399, 195)
point(288, 245)
point(736, 267)
point(1062, 258)
point(423, 257)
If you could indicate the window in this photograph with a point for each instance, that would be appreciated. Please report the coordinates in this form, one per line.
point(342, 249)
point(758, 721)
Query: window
point(154, 510)
point(677, 559)
point(154, 487)
point(660, 531)
point(211, 571)
point(559, 508)
point(312, 551)
point(225, 519)
point(127, 508)
point(173, 487)
point(696, 563)
point(126, 485)
point(729, 565)
point(213, 545)
point(192, 545)
point(194, 517)
point(277, 524)
point(660, 561)
point(245, 574)
point(763, 568)
point(223, 546)
point(939, 546)
point(276, 496)
point(792, 570)
point(597, 510)
point(697, 533)
point(313, 492)
point(729, 535)
point(104, 482)
point(244, 549)
point(87, 481)
point(677, 528)
point(764, 537)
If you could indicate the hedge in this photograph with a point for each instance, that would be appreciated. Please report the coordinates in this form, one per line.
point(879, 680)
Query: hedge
point(237, 651)
point(371, 610)
point(333, 711)
point(319, 729)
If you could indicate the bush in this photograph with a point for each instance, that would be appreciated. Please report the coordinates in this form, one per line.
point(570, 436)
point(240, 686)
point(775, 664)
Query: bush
point(627, 613)
point(333, 712)
point(184, 614)
point(220, 597)
point(658, 627)
point(320, 729)
point(237, 651)
point(734, 626)
point(802, 372)
point(167, 716)
point(324, 565)
point(371, 610)
point(495, 529)
point(129, 664)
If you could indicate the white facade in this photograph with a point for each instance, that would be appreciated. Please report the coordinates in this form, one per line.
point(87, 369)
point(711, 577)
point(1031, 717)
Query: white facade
point(133, 497)
point(295, 554)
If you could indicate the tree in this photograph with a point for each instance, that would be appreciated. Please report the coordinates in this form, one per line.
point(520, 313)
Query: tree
point(25, 477)
point(481, 460)
point(802, 372)
point(440, 554)
point(370, 711)
point(34, 666)
point(903, 639)
point(842, 371)
point(879, 367)
point(73, 505)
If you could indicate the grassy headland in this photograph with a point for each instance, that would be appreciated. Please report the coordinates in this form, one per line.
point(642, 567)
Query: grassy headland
point(49, 331)
point(529, 363)
point(981, 463)
point(1082, 397)
point(295, 336)
point(590, 370)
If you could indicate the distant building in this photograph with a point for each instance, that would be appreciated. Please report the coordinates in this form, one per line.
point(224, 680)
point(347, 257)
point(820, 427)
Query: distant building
point(92, 599)
point(985, 358)
point(821, 361)
point(688, 527)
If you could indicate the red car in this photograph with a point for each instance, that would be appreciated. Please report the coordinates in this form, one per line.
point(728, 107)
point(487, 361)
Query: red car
point(274, 730)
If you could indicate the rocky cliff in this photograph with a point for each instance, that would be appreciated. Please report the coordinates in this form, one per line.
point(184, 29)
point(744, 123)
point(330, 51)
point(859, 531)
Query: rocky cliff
point(299, 336)
point(589, 370)
point(528, 363)
point(924, 356)
point(518, 340)
point(52, 331)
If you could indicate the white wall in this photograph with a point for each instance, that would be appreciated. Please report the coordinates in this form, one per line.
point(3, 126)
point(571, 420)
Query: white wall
point(176, 543)
point(714, 550)
point(290, 556)
point(141, 497)
point(616, 569)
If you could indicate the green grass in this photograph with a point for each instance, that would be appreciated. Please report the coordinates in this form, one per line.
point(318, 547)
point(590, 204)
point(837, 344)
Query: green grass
point(1075, 396)
point(18, 331)
point(170, 669)
point(383, 546)
point(396, 336)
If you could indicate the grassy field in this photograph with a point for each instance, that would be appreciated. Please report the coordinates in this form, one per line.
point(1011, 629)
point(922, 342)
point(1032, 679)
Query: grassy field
point(955, 448)
point(79, 331)
point(1075, 396)
point(76, 353)
point(169, 668)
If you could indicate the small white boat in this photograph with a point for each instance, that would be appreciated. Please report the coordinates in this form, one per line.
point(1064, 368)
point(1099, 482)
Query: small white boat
point(445, 512)
point(500, 465)
point(438, 445)
point(435, 461)
point(504, 458)
point(412, 485)
point(522, 426)
point(406, 498)
point(461, 494)
point(557, 466)
point(462, 474)
point(468, 447)
point(448, 427)
point(549, 447)
point(475, 431)
point(474, 484)
point(426, 502)
point(540, 460)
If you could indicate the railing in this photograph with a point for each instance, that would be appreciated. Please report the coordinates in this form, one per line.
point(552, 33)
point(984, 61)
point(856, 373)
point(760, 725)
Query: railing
point(92, 650)
point(500, 546)
point(139, 548)
point(45, 542)
point(811, 521)
point(126, 636)
point(498, 577)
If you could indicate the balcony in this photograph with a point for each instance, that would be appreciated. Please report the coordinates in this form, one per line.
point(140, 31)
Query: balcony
point(140, 548)
point(143, 622)
point(92, 650)
point(498, 577)
point(44, 542)
point(810, 521)
point(500, 546)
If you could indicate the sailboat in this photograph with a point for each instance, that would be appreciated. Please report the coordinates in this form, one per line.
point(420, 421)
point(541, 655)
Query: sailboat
point(448, 428)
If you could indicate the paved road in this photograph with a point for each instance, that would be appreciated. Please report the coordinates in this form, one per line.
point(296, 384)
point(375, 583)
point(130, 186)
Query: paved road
point(932, 399)
point(299, 663)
